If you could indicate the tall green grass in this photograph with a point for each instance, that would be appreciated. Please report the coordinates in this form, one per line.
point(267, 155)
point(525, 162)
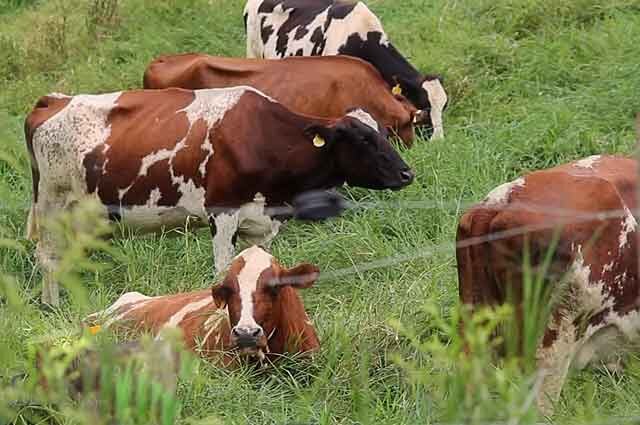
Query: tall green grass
point(532, 84)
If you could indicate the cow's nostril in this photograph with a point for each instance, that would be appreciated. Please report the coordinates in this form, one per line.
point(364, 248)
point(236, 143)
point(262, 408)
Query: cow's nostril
point(406, 176)
point(235, 332)
point(256, 333)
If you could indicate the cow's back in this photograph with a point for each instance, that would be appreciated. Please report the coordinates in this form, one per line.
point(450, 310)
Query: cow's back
point(196, 314)
point(349, 83)
point(584, 205)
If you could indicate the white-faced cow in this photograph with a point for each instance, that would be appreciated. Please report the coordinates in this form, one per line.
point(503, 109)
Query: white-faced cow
point(281, 28)
point(581, 213)
point(255, 311)
point(337, 85)
point(155, 158)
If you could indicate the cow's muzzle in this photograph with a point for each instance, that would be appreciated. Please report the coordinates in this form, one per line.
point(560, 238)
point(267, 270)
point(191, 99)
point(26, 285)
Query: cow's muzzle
point(249, 341)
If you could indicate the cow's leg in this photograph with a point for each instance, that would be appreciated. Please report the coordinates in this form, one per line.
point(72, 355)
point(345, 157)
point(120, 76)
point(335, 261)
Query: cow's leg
point(224, 228)
point(48, 260)
point(47, 248)
point(553, 361)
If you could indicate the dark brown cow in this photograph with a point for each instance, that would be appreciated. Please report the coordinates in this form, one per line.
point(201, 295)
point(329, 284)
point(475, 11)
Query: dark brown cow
point(329, 86)
point(594, 267)
point(255, 311)
point(156, 158)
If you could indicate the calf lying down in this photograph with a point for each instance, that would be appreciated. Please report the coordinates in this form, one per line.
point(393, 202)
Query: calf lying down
point(255, 311)
point(593, 272)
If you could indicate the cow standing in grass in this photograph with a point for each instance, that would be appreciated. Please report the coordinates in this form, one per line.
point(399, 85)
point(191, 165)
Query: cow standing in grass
point(280, 28)
point(587, 207)
point(255, 311)
point(219, 157)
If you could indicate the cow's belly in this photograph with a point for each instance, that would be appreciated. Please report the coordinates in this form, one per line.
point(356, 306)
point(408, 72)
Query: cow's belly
point(147, 219)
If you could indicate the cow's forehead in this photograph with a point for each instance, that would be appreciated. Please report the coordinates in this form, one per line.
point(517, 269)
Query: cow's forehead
point(256, 260)
point(364, 117)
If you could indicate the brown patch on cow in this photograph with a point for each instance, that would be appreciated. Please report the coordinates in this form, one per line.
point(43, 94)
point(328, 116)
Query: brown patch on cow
point(139, 125)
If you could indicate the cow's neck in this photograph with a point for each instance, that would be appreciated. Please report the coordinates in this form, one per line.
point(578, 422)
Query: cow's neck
point(303, 166)
point(387, 59)
point(293, 331)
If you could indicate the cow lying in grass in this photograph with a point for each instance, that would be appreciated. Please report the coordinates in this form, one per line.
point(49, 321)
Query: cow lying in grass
point(580, 212)
point(255, 311)
point(156, 159)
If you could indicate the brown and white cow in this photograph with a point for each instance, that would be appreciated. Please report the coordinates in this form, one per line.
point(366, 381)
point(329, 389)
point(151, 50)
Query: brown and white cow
point(255, 311)
point(335, 86)
point(156, 158)
point(587, 205)
point(280, 28)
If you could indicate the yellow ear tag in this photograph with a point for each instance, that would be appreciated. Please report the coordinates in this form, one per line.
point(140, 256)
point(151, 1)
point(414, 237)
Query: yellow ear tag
point(318, 141)
point(94, 329)
point(396, 90)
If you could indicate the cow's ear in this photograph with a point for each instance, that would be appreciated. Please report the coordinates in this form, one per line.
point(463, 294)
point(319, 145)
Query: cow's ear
point(220, 293)
point(321, 136)
point(404, 86)
point(299, 277)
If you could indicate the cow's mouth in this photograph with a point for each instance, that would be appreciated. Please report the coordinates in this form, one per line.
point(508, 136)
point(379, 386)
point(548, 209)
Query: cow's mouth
point(251, 352)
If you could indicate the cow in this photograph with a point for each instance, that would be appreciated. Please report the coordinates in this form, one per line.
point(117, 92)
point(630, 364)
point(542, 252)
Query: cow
point(157, 158)
point(579, 213)
point(255, 312)
point(280, 28)
point(337, 85)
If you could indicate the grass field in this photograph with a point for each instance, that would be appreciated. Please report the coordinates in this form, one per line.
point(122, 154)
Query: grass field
point(532, 83)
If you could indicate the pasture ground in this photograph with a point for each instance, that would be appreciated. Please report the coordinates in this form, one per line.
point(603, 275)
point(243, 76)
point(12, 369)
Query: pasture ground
point(532, 83)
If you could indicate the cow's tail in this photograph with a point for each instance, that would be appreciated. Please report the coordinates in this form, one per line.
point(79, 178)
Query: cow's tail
point(29, 129)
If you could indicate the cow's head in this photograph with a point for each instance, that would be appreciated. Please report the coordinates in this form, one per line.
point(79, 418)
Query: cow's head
point(428, 94)
point(362, 152)
point(251, 290)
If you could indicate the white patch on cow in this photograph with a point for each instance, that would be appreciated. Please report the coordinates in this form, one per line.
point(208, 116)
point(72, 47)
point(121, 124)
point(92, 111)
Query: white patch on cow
point(62, 142)
point(588, 162)
point(56, 95)
point(360, 21)
point(590, 297)
point(500, 195)
point(256, 260)
point(250, 221)
point(629, 225)
point(364, 117)
point(179, 316)
point(553, 363)
point(135, 300)
point(628, 325)
point(305, 42)
point(274, 19)
point(438, 100)
point(609, 266)
point(161, 155)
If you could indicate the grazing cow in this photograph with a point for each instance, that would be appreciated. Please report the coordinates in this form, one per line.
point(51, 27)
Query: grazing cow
point(583, 209)
point(337, 85)
point(155, 158)
point(280, 28)
point(255, 311)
